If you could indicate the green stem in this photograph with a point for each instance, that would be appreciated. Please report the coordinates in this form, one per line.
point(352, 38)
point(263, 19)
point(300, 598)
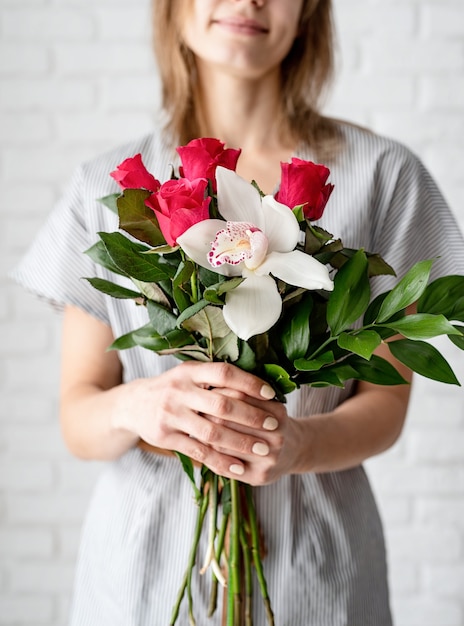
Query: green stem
point(256, 556)
point(220, 546)
point(194, 286)
point(248, 579)
point(187, 580)
point(233, 589)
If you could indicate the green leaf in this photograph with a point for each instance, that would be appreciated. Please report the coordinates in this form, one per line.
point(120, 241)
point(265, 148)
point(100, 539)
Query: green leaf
point(191, 311)
point(187, 466)
point(296, 331)
point(377, 370)
point(424, 359)
point(362, 343)
point(315, 238)
point(407, 291)
point(298, 213)
point(162, 319)
point(458, 340)
point(247, 359)
point(112, 289)
point(173, 339)
point(423, 326)
point(208, 277)
point(226, 348)
point(446, 296)
point(111, 201)
point(152, 291)
point(209, 322)
point(351, 294)
point(181, 285)
point(312, 365)
point(137, 219)
point(129, 258)
point(280, 377)
point(99, 254)
point(214, 292)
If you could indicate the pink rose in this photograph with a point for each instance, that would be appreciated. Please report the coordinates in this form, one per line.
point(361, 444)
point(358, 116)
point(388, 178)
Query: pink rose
point(132, 174)
point(304, 182)
point(178, 205)
point(200, 158)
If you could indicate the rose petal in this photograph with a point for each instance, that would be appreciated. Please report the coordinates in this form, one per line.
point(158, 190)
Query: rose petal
point(238, 200)
point(253, 307)
point(298, 269)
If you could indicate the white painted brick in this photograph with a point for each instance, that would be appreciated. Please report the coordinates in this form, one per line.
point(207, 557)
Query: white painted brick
point(123, 24)
point(402, 54)
point(25, 608)
point(32, 407)
point(445, 580)
point(437, 446)
point(422, 611)
point(417, 480)
point(26, 542)
point(77, 475)
point(25, 129)
point(442, 93)
point(450, 511)
point(416, 129)
point(40, 509)
point(26, 475)
point(45, 24)
point(17, 339)
point(40, 371)
point(68, 541)
point(34, 577)
point(96, 58)
point(102, 127)
point(403, 577)
point(443, 20)
point(373, 91)
point(27, 199)
point(35, 441)
point(48, 94)
point(361, 20)
point(129, 93)
point(24, 59)
point(429, 543)
point(45, 165)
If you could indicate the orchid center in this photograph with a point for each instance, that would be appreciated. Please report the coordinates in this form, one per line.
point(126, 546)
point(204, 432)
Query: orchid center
point(239, 242)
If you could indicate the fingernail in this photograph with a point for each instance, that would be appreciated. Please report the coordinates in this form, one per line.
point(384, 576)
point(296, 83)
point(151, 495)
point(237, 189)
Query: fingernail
point(267, 392)
point(237, 469)
point(270, 423)
point(261, 449)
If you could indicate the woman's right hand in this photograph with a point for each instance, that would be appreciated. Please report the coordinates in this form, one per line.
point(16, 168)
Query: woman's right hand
point(168, 412)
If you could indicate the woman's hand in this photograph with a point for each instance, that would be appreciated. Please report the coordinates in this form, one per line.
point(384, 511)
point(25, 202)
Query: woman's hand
point(214, 413)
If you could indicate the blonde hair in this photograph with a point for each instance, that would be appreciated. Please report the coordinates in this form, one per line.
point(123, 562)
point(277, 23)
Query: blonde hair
point(306, 73)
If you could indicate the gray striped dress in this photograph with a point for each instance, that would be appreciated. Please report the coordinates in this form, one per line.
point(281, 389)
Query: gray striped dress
point(326, 563)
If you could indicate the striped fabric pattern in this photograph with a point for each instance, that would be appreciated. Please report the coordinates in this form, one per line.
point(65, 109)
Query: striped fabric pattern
point(326, 563)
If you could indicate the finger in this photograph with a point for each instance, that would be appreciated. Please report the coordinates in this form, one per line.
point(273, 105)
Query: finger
point(221, 464)
point(222, 406)
point(227, 375)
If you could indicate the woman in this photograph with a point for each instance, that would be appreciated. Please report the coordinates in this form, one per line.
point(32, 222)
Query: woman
point(250, 73)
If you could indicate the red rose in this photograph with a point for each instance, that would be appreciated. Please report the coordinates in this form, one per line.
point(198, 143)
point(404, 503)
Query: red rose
point(132, 174)
point(178, 205)
point(200, 158)
point(304, 182)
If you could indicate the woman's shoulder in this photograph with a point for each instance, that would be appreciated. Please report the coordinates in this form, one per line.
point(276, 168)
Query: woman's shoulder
point(361, 145)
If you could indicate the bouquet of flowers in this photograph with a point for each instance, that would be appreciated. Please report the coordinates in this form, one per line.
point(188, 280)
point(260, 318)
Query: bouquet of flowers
point(227, 273)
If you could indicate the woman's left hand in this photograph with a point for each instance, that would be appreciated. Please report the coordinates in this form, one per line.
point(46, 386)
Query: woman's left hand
point(284, 444)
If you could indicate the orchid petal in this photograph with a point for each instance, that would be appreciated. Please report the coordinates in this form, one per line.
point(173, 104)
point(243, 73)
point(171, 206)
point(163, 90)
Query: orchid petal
point(281, 226)
point(298, 269)
point(196, 243)
point(253, 307)
point(238, 200)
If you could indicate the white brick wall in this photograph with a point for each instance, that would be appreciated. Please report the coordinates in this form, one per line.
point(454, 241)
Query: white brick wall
point(76, 77)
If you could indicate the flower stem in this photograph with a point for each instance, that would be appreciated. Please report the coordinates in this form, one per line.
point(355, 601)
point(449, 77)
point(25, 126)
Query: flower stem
point(248, 580)
point(233, 589)
point(187, 580)
point(255, 553)
point(220, 546)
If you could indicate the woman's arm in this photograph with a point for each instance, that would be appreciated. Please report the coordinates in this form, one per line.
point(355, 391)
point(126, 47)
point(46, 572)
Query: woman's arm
point(102, 418)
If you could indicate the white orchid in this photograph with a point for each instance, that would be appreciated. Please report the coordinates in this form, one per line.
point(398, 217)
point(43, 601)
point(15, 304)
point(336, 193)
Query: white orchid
point(258, 239)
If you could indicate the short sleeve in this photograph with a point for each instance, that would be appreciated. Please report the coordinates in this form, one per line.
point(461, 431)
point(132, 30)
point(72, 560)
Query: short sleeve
point(55, 266)
point(414, 222)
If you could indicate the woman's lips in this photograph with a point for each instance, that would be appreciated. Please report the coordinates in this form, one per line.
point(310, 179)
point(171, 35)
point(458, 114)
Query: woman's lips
point(241, 25)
